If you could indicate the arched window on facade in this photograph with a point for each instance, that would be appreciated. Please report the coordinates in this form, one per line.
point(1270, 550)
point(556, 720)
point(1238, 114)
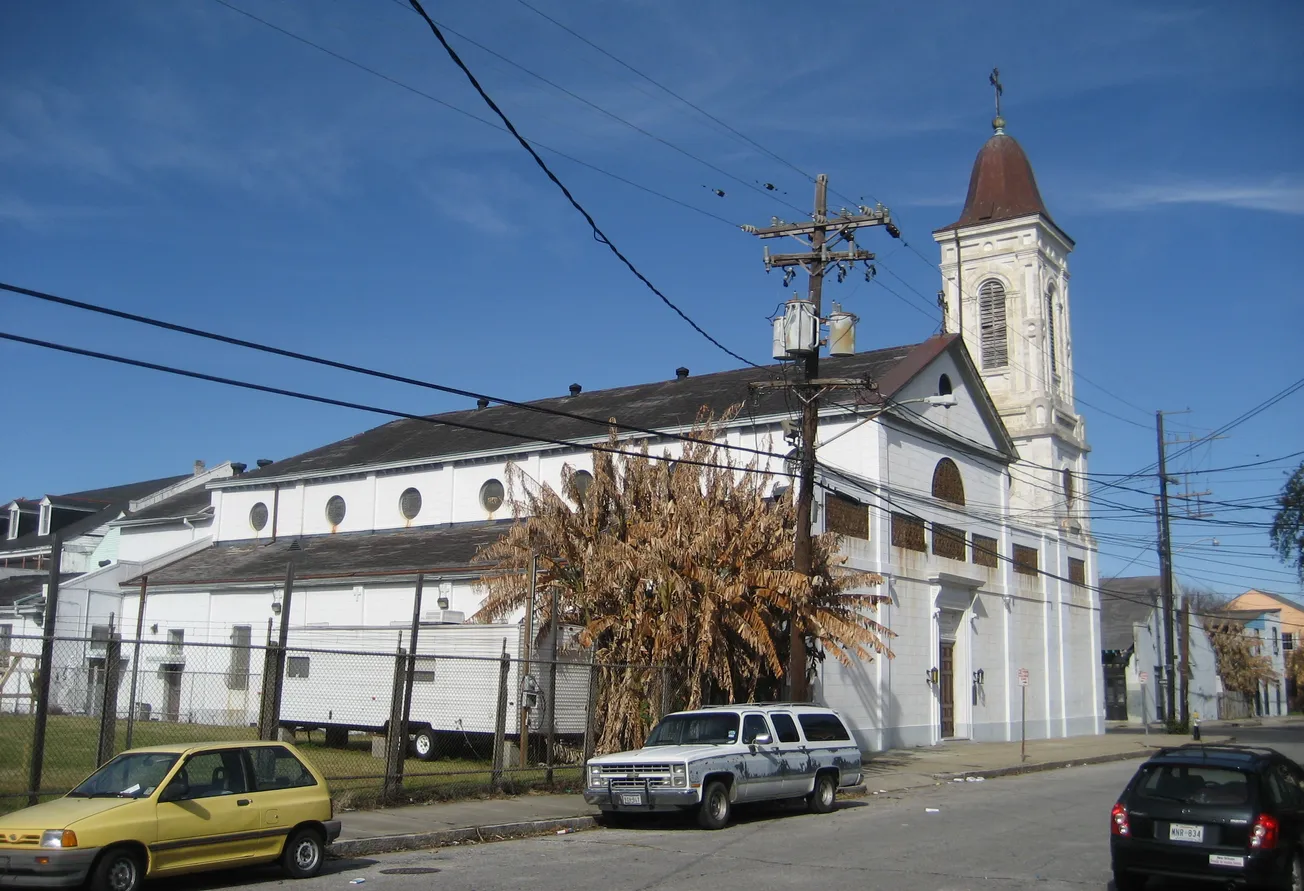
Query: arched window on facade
point(1066, 477)
point(1050, 332)
point(947, 484)
point(991, 321)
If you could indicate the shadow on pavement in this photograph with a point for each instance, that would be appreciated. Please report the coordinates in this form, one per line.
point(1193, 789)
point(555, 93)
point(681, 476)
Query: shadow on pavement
point(231, 878)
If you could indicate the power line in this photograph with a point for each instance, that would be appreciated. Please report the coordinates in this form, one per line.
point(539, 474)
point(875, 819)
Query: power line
point(597, 232)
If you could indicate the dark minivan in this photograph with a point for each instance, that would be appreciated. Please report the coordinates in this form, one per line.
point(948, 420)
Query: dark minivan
point(1222, 813)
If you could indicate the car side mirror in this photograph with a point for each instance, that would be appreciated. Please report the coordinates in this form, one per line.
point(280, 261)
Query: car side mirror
point(761, 739)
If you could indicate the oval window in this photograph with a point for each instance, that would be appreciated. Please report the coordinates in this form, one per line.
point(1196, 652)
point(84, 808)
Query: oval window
point(581, 481)
point(491, 495)
point(335, 510)
point(258, 516)
point(409, 504)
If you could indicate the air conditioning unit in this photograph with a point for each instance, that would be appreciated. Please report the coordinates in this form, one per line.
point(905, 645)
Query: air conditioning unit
point(443, 617)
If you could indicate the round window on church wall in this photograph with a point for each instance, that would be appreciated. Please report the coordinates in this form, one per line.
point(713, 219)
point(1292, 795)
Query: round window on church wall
point(335, 510)
point(491, 495)
point(409, 503)
point(258, 516)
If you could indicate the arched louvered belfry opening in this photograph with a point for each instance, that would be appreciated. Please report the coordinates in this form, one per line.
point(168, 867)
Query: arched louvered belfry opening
point(991, 323)
point(947, 484)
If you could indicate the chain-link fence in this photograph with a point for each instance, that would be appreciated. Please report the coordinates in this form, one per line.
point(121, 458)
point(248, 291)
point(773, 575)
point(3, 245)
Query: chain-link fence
point(474, 722)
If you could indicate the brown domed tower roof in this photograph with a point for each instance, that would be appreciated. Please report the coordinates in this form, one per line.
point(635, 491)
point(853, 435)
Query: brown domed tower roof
point(1002, 185)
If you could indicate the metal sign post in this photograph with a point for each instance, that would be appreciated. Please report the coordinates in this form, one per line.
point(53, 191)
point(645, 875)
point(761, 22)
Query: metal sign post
point(1023, 716)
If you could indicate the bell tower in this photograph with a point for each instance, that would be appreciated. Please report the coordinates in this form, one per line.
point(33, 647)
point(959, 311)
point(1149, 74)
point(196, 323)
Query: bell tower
point(1005, 287)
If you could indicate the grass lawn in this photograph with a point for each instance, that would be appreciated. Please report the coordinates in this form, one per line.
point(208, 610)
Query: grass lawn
point(355, 776)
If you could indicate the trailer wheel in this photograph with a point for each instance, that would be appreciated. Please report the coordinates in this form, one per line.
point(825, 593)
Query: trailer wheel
point(423, 744)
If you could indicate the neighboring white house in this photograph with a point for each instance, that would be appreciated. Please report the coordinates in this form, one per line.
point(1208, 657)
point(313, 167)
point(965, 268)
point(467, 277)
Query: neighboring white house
point(1265, 626)
point(1132, 643)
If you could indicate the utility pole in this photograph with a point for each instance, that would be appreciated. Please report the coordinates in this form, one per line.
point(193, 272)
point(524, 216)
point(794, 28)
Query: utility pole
point(819, 234)
point(1166, 571)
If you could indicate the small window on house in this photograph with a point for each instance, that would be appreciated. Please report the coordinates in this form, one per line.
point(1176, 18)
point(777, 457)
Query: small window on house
point(1066, 480)
point(237, 677)
point(948, 542)
point(296, 667)
point(409, 504)
point(581, 481)
point(1287, 640)
point(944, 386)
point(258, 517)
point(176, 641)
point(99, 636)
point(985, 550)
point(1025, 560)
point(947, 483)
point(991, 321)
point(846, 516)
point(1077, 571)
point(335, 509)
point(908, 533)
point(491, 495)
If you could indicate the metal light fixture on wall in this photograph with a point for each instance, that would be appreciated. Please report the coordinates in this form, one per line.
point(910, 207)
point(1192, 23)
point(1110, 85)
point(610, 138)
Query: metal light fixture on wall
point(443, 602)
point(276, 607)
point(978, 677)
point(930, 675)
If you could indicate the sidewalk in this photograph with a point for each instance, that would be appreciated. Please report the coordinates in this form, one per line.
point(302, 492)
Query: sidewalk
point(414, 827)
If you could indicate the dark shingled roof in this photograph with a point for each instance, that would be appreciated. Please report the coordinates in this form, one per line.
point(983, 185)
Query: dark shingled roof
point(187, 504)
point(1125, 602)
point(655, 405)
point(17, 587)
point(348, 554)
point(115, 500)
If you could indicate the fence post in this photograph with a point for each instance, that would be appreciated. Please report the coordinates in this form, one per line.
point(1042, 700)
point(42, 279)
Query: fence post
point(404, 734)
point(590, 729)
point(552, 687)
point(500, 723)
point(46, 669)
point(394, 738)
point(109, 706)
point(135, 663)
point(265, 698)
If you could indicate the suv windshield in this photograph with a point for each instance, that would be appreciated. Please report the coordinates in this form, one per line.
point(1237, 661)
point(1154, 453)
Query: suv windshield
point(1194, 784)
point(696, 728)
point(132, 775)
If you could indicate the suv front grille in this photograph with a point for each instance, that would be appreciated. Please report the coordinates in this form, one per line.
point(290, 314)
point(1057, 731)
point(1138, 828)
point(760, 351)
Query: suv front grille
point(630, 775)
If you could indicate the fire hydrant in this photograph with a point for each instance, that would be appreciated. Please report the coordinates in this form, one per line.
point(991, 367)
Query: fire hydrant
point(1195, 726)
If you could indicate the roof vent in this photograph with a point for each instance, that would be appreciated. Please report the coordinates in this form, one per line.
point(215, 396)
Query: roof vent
point(295, 546)
point(681, 373)
point(482, 403)
point(199, 467)
point(575, 389)
point(238, 468)
point(264, 462)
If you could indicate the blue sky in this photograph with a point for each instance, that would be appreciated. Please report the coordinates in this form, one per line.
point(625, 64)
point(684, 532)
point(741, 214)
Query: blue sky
point(184, 161)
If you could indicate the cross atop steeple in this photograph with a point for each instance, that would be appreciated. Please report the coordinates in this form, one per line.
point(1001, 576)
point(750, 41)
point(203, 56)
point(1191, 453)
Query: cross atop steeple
point(998, 122)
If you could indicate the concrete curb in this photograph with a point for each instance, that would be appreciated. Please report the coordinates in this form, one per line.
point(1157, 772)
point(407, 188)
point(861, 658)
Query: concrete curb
point(1017, 769)
point(384, 844)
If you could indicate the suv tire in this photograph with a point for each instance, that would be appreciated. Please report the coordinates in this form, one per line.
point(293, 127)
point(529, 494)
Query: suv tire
point(822, 798)
point(715, 809)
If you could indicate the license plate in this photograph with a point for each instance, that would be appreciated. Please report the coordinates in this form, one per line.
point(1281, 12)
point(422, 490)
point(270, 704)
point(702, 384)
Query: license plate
point(1185, 832)
point(1224, 860)
point(631, 799)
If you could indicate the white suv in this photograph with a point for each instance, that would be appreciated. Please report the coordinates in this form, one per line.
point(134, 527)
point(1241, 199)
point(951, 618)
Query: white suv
point(707, 760)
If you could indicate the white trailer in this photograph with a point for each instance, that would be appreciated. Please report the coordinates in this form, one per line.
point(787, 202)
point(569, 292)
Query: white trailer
point(341, 678)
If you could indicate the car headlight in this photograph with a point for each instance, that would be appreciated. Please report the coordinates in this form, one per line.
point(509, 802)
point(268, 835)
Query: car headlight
point(595, 776)
point(58, 838)
point(679, 774)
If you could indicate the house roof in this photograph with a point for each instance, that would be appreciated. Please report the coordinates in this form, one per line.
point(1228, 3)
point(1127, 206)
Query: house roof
point(18, 587)
point(113, 500)
point(1125, 602)
point(341, 555)
point(1280, 598)
point(1246, 615)
point(1002, 185)
point(658, 405)
point(189, 503)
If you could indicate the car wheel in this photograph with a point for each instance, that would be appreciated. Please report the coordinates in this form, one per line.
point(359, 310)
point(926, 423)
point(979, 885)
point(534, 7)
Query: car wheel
point(1128, 881)
point(821, 799)
point(118, 869)
point(303, 854)
point(715, 808)
point(423, 745)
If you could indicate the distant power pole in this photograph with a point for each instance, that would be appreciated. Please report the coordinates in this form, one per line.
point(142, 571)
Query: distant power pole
point(1166, 571)
point(819, 234)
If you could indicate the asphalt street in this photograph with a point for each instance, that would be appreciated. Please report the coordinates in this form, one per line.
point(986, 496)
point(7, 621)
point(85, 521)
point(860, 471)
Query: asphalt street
point(1047, 831)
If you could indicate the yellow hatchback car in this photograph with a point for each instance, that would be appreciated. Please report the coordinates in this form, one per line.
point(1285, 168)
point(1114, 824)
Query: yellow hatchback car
point(169, 810)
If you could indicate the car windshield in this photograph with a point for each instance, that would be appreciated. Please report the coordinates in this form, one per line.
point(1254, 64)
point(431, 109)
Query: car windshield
point(131, 775)
point(1194, 784)
point(695, 728)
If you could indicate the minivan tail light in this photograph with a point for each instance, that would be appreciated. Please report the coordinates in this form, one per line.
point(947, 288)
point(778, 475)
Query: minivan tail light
point(1118, 821)
point(1264, 832)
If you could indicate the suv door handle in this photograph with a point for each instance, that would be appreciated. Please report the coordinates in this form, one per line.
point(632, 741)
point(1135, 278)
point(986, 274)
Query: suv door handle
point(243, 802)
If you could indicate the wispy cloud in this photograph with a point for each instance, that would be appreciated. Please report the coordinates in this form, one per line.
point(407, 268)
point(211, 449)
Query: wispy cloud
point(43, 218)
point(1279, 195)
